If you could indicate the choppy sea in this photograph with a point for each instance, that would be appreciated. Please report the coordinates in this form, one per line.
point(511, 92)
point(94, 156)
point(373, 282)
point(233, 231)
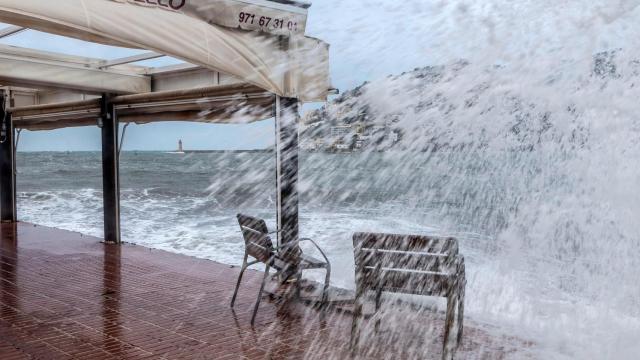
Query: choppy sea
point(555, 293)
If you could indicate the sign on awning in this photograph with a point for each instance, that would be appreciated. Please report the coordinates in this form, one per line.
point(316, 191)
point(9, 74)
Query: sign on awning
point(283, 17)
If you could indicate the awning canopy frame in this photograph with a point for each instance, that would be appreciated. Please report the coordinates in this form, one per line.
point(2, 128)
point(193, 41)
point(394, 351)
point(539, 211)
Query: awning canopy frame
point(64, 90)
point(258, 76)
point(221, 104)
point(207, 33)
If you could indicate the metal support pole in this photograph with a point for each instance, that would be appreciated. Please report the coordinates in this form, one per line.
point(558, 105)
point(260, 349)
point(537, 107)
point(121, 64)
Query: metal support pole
point(110, 172)
point(8, 211)
point(287, 118)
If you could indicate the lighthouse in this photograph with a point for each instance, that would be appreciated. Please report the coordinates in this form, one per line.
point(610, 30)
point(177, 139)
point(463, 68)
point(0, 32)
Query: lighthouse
point(180, 150)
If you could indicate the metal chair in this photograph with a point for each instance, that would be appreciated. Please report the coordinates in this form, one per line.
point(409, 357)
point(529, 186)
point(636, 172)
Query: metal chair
point(283, 258)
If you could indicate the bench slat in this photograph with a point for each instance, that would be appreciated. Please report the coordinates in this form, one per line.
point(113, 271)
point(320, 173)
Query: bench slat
point(417, 283)
point(444, 263)
point(429, 244)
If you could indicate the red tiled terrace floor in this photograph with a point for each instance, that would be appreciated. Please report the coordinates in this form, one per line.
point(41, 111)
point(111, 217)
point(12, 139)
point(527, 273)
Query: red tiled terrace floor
point(68, 296)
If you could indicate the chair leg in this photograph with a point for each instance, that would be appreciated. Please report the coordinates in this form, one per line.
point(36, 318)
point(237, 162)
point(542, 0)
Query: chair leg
point(298, 285)
point(447, 354)
point(235, 292)
point(327, 282)
point(264, 280)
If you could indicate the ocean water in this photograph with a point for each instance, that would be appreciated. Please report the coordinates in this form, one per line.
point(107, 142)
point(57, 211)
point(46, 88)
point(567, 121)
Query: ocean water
point(540, 265)
point(187, 203)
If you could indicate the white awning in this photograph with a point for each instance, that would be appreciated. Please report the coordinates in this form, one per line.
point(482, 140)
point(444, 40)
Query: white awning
point(289, 65)
point(278, 17)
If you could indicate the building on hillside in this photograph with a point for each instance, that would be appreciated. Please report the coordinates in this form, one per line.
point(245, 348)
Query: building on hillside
point(340, 131)
point(394, 136)
point(377, 128)
point(308, 145)
point(312, 145)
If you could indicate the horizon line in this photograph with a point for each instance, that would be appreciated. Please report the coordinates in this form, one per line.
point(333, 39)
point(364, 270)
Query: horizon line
point(147, 150)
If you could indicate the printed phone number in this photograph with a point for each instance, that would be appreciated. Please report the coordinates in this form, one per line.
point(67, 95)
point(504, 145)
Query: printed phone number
point(267, 22)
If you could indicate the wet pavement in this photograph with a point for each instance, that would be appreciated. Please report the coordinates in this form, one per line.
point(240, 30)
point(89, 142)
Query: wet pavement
point(64, 295)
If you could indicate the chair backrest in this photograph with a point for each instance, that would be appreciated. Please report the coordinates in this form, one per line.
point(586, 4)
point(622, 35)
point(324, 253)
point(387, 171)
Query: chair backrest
point(256, 237)
point(409, 264)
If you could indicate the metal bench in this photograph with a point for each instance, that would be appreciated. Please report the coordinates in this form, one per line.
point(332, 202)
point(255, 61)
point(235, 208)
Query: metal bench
point(283, 258)
point(409, 264)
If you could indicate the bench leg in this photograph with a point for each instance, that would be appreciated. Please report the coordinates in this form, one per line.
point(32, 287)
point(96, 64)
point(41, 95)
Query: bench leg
point(235, 292)
point(376, 326)
point(447, 353)
point(264, 280)
point(355, 331)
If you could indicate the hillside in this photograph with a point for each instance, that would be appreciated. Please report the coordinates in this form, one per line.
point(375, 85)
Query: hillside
point(461, 105)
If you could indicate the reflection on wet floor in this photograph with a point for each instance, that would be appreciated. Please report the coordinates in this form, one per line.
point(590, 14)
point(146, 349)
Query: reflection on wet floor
point(68, 296)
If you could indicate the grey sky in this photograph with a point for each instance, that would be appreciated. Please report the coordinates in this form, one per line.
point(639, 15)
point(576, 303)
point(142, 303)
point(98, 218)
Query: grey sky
point(374, 38)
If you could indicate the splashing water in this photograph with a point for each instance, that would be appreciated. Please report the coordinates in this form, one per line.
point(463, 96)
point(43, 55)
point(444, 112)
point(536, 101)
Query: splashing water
point(541, 165)
point(526, 152)
point(538, 142)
